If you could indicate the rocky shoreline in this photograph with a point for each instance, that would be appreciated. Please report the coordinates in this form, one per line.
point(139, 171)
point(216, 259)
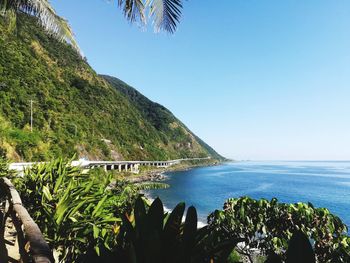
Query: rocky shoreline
point(159, 175)
point(151, 176)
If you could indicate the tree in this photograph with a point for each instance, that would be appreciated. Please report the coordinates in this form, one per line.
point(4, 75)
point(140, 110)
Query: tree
point(267, 226)
point(164, 13)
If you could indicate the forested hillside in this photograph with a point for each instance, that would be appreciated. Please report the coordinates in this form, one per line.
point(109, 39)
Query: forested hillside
point(76, 111)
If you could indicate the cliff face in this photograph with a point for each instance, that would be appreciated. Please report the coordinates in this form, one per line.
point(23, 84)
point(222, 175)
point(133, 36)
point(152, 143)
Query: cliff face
point(76, 111)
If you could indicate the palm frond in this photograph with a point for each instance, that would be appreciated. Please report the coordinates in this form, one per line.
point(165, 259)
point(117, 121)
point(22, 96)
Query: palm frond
point(133, 10)
point(166, 14)
point(47, 17)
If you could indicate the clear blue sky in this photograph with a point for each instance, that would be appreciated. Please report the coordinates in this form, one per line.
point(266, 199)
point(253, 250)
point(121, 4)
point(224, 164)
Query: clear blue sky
point(256, 79)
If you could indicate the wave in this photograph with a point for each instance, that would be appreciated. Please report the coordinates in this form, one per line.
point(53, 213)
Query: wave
point(344, 183)
point(262, 187)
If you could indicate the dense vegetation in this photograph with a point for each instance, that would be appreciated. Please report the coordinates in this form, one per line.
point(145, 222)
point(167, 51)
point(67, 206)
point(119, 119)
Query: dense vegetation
point(161, 118)
point(75, 110)
point(79, 213)
point(91, 217)
point(267, 226)
point(94, 218)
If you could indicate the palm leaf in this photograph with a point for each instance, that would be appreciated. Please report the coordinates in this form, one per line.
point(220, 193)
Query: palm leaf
point(166, 14)
point(133, 9)
point(47, 17)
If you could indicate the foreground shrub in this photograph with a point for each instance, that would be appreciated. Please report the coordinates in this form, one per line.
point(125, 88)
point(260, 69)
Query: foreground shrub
point(150, 235)
point(88, 217)
point(267, 227)
point(78, 213)
point(3, 167)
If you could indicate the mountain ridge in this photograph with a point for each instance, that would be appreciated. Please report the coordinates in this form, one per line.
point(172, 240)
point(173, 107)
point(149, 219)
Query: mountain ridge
point(76, 111)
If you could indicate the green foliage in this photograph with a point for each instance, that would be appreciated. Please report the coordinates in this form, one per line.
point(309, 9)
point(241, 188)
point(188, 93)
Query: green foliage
point(299, 251)
point(88, 217)
point(75, 110)
point(269, 225)
point(24, 142)
point(158, 115)
point(234, 257)
point(4, 171)
point(78, 213)
point(172, 133)
point(4, 168)
point(152, 236)
point(46, 15)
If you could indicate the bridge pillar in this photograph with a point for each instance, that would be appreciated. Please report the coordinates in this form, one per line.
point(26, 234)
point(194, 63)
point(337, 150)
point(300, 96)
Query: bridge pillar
point(135, 168)
point(119, 167)
point(126, 167)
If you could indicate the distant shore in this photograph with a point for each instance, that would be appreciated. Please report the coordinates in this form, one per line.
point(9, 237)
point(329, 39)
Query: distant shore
point(158, 174)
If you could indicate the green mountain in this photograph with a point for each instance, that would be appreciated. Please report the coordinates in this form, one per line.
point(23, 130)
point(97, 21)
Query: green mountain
point(76, 111)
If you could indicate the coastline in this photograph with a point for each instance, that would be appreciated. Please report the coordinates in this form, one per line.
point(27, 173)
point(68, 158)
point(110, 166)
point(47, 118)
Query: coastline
point(159, 174)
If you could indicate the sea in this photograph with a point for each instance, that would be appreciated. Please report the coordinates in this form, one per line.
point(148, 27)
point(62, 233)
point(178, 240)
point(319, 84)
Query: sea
point(324, 184)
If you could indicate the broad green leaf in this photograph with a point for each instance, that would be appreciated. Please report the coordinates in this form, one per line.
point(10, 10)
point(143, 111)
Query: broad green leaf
point(155, 216)
point(172, 226)
point(190, 230)
point(96, 231)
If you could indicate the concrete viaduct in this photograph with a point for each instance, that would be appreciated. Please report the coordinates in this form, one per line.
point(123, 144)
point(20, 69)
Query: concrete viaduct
point(121, 166)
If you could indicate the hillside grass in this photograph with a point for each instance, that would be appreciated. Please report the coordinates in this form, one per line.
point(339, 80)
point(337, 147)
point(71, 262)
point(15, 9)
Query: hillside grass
point(76, 111)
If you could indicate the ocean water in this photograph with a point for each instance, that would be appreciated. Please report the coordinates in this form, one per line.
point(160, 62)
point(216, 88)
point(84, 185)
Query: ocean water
point(324, 184)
